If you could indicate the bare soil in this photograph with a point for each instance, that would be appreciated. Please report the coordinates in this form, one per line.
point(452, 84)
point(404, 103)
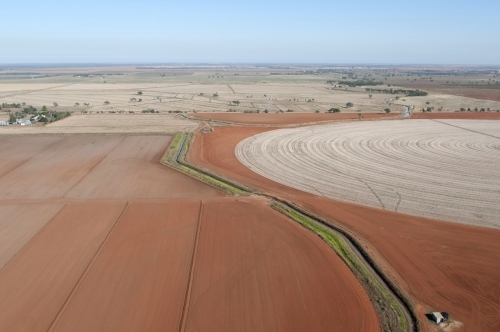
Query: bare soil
point(443, 266)
point(37, 282)
point(256, 270)
point(138, 282)
point(99, 236)
point(19, 224)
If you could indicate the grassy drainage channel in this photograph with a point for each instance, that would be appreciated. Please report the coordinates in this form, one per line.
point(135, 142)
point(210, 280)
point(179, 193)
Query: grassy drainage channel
point(175, 157)
point(392, 317)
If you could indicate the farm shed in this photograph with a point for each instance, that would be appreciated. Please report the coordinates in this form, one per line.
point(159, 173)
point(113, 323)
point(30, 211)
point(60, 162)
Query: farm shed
point(439, 317)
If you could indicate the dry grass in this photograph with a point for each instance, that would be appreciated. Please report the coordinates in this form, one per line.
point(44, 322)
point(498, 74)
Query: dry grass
point(109, 124)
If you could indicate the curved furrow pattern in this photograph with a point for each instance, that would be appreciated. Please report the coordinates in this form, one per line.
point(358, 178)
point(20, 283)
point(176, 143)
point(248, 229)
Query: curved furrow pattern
point(448, 169)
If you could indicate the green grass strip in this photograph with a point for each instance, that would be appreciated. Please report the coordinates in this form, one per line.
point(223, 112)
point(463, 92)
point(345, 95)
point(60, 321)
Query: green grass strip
point(343, 249)
point(169, 159)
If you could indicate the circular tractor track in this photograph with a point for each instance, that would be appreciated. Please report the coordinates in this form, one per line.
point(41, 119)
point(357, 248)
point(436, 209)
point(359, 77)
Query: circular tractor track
point(446, 169)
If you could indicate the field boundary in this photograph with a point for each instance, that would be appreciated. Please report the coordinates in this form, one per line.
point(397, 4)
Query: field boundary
point(291, 125)
point(87, 269)
point(370, 274)
point(189, 286)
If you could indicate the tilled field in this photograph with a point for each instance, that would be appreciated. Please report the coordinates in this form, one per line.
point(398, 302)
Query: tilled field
point(446, 169)
point(443, 266)
point(96, 235)
point(255, 265)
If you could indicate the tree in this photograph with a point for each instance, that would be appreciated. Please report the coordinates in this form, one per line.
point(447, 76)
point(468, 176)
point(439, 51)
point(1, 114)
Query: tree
point(369, 96)
point(387, 110)
point(349, 104)
point(77, 104)
point(216, 94)
point(12, 118)
point(55, 104)
point(106, 102)
point(44, 108)
point(139, 93)
point(334, 110)
point(266, 111)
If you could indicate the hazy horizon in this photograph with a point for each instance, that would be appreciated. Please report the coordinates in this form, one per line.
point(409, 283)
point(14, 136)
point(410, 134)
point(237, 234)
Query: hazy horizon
point(277, 32)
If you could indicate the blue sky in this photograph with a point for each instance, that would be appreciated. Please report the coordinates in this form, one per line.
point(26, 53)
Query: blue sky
point(149, 31)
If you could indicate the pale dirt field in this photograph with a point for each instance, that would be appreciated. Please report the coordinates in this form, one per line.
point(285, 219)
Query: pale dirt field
point(443, 169)
point(192, 89)
point(109, 124)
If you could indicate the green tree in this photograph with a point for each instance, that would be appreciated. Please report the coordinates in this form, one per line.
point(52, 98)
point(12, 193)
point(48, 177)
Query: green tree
point(139, 93)
point(387, 110)
point(349, 104)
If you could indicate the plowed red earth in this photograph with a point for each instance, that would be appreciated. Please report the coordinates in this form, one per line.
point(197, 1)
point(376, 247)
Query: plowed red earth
point(19, 223)
point(96, 235)
point(443, 266)
point(458, 115)
point(37, 282)
point(284, 118)
point(258, 271)
point(138, 282)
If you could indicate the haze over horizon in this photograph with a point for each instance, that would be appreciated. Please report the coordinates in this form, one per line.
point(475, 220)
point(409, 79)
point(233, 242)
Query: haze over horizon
point(224, 32)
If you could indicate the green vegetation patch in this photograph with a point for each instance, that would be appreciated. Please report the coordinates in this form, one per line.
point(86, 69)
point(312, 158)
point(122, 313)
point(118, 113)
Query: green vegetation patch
point(176, 149)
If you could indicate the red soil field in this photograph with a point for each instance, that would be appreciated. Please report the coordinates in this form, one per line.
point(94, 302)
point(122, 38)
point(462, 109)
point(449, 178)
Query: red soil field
point(19, 223)
point(458, 115)
point(18, 150)
point(92, 167)
point(285, 118)
point(54, 171)
point(256, 270)
point(132, 170)
point(36, 283)
point(138, 282)
point(443, 266)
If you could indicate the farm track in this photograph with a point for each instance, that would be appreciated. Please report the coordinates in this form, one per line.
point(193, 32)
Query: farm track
point(444, 170)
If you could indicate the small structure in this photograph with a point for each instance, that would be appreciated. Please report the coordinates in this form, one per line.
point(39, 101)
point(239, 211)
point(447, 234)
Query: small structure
point(4, 123)
point(439, 317)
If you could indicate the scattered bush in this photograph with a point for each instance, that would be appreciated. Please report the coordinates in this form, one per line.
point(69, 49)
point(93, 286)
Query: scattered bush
point(333, 110)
